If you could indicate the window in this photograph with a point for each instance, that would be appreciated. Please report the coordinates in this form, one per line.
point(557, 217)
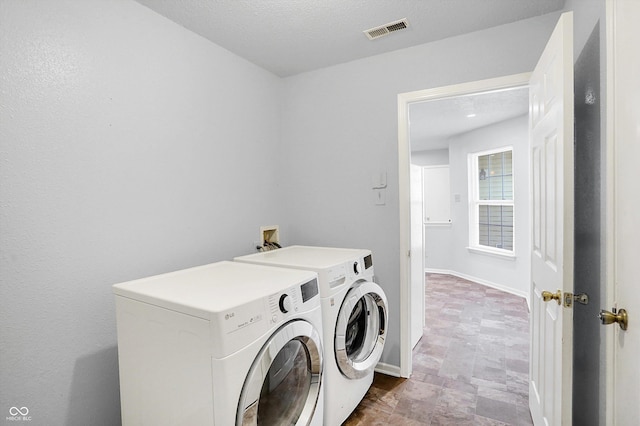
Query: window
point(491, 226)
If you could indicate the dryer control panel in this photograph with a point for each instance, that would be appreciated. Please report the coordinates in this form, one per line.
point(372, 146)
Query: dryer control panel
point(338, 275)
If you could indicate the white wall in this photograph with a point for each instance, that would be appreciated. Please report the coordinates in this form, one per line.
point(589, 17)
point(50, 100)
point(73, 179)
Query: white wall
point(126, 151)
point(586, 14)
point(433, 157)
point(340, 126)
point(507, 274)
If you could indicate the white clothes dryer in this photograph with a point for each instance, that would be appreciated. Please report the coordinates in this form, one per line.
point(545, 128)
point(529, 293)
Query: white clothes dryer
point(221, 344)
point(354, 312)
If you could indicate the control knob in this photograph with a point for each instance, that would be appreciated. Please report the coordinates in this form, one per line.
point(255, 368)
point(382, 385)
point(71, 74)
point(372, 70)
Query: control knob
point(356, 268)
point(285, 303)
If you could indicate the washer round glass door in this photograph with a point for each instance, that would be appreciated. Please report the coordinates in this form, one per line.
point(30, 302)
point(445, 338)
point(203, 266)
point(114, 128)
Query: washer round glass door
point(283, 384)
point(361, 330)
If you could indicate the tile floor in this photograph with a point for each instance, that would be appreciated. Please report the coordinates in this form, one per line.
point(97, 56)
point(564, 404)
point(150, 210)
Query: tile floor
point(470, 368)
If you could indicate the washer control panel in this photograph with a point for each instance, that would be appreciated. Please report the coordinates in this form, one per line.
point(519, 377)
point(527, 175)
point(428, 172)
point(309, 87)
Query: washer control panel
point(283, 304)
point(243, 317)
point(359, 267)
point(274, 308)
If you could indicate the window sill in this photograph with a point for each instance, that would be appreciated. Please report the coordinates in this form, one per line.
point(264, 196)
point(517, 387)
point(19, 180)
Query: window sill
point(493, 253)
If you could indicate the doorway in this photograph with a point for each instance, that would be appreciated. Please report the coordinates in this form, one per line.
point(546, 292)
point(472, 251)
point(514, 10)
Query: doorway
point(409, 276)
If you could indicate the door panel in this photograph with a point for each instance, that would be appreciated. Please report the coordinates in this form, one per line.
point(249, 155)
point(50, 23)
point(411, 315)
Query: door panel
point(551, 130)
point(549, 207)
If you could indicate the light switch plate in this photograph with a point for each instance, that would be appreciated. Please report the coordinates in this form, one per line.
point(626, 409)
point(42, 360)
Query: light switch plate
point(379, 180)
point(380, 196)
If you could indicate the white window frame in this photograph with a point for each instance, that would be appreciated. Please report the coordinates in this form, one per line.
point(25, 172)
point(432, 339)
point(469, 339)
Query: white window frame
point(474, 202)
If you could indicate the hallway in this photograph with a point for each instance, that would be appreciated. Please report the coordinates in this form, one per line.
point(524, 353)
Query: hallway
point(470, 367)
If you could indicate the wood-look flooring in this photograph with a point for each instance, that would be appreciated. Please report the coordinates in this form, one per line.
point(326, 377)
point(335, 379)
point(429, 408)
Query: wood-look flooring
point(470, 367)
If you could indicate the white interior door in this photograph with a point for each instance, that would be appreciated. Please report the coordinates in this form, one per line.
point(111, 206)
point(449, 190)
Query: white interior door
point(417, 256)
point(551, 130)
point(437, 195)
point(626, 135)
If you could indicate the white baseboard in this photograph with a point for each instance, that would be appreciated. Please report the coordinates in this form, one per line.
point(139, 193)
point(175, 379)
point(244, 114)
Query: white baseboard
point(388, 369)
point(484, 282)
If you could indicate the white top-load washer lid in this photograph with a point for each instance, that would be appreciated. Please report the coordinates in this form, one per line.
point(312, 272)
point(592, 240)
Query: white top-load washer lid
point(212, 288)
point(313, 258)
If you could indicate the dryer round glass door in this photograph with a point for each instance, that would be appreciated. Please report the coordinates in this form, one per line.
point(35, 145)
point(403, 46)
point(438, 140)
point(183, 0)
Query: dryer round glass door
point(361, 330)
point(283, 384)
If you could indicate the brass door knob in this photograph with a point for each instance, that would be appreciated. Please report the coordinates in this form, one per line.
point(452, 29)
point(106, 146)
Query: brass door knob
point(547, 295)
point(620, 317)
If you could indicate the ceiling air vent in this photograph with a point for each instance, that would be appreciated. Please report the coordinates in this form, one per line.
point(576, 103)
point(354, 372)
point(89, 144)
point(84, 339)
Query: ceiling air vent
point(386, 29)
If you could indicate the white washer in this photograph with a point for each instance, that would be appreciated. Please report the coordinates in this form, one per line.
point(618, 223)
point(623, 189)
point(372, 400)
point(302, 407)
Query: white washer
point(221, 344)
point(354, 311)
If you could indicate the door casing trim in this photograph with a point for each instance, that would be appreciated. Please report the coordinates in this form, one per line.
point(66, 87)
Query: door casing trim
point(404, 162)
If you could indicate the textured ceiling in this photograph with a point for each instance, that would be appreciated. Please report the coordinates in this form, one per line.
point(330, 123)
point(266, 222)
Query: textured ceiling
point(288, 37)
point(432, 122)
